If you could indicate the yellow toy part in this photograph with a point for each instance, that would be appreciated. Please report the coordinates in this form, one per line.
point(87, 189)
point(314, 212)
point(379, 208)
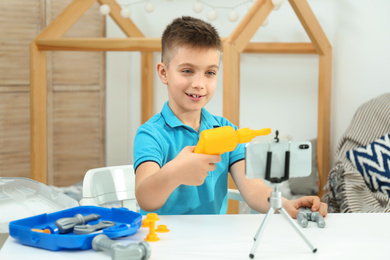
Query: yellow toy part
point(225, 139)
point(151, 219)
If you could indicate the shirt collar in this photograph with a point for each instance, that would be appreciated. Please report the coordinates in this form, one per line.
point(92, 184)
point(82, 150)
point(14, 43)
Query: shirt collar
point(207, 120)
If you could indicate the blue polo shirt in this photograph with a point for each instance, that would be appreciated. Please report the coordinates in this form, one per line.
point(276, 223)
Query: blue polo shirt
point(160, 140)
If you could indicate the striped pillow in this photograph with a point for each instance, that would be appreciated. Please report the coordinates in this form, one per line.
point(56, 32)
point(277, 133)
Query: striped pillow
point(373, 162)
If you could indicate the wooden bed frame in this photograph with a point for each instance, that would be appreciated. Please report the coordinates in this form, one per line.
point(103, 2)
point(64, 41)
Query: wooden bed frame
point(233, 45)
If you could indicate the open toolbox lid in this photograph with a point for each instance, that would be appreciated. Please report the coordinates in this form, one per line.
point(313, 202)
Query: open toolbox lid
point(23, 197)
point(126, 223)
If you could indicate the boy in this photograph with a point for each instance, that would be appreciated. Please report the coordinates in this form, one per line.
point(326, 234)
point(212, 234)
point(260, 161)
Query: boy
point(170, 177)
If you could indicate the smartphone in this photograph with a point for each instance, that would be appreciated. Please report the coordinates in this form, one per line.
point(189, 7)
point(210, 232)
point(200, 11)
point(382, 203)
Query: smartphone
point(296, 154)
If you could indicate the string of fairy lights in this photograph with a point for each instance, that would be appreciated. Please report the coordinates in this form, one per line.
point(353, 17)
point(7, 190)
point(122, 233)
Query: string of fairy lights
point(198, 7)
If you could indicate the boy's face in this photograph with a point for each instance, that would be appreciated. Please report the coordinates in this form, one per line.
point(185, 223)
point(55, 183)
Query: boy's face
point(191, 78)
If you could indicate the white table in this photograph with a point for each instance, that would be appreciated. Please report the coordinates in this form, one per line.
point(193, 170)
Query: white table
point(346, 236)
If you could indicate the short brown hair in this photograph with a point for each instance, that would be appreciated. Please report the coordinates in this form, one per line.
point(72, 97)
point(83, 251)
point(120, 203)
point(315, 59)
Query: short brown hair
point(191, 32)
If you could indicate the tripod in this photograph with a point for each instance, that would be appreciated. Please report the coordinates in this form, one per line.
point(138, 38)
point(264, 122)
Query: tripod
point(276, 204)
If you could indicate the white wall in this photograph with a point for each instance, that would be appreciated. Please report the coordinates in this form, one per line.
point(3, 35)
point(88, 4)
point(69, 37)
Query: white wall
point(277, 91)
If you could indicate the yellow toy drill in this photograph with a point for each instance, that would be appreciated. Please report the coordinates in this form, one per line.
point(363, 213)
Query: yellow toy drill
point(225, 139)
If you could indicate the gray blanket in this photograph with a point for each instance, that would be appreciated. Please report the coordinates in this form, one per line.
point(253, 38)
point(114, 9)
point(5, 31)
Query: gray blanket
point(346, 189)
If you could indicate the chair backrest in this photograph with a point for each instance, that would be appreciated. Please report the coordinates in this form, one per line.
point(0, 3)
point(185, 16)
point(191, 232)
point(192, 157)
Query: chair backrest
point(107, 185)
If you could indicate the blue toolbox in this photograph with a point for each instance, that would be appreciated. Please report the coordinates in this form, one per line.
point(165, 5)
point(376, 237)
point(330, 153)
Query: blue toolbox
point(43, 231)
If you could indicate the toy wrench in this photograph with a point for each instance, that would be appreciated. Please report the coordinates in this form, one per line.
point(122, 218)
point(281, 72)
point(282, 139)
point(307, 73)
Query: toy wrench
point(86, 229)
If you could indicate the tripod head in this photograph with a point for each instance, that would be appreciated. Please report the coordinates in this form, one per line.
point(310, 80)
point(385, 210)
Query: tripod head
point(277, 161)
point(286, 175)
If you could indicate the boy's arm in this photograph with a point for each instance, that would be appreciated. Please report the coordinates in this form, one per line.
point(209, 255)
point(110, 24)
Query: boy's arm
point(254, 191)
point(153, 185)
point(256, 194)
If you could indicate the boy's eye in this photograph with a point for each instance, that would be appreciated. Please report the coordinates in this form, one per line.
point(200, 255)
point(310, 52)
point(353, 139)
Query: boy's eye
point(186, 71)
point(211, 73)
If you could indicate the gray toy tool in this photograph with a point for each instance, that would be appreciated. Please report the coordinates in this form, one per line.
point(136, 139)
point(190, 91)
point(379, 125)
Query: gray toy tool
point(86, 229)
point(140, 251)
point(305, 214)
point(65, 225)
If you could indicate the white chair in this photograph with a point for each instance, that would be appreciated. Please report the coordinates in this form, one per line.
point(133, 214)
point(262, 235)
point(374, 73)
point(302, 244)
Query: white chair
point(109, 185)
point(234, 194)
point(115, 186)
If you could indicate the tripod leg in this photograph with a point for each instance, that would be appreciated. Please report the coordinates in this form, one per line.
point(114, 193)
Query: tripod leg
point(296, 227)
point(260, 231)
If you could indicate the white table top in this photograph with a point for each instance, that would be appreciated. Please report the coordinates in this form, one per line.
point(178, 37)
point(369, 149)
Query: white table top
point(346, 236)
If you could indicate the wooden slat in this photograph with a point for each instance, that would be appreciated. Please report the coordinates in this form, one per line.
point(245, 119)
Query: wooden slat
point(147, 72)
point(231, 100)
point(14, 88)
point(231, 84)
point(250, 23)
point(311, 25)
point(101, 44)
point(73, 88)
point(154, 45)
point(324, 106)
point(126, 24)
point(280, 48)
point(38, 111)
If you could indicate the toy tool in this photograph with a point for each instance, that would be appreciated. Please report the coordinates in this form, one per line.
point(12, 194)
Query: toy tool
point(162, 229)
point(46, 231)
point(140, 251)
point(150, 220)
point(225, 139)
point(305, 214)
point(86, 229)
point(65, 225)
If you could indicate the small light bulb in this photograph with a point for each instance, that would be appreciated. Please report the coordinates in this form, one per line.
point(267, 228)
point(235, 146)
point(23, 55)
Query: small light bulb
point(197, 7)
point(149, 7)
point(104, 9)
point(277, 4)
point(212, 15)
point(125, 13)
point(233, 16)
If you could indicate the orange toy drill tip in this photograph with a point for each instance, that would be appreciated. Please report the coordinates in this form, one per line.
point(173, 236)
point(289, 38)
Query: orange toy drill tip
point(225, 139)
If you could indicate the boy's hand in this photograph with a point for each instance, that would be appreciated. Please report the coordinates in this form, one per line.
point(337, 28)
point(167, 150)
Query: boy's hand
point(194, 167)
point(312, 202)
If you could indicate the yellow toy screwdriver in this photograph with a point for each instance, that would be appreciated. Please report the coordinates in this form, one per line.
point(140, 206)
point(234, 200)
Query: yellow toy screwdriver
point(225, 139)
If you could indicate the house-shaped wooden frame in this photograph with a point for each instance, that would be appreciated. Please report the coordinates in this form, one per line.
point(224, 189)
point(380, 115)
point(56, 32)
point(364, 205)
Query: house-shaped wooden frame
point(233, 45)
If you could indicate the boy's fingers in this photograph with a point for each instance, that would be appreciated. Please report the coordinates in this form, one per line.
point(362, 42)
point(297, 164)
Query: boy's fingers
point(216, 158)
point(324, 209)
point(315, 203)
point(211, 158)
point(212, 167)
point(190, 148)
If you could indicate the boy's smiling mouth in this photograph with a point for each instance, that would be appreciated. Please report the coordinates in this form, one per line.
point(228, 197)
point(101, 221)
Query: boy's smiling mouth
point(195, 97)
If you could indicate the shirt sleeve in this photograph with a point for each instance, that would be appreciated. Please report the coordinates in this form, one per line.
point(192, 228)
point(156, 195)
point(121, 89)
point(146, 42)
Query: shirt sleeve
point(237, 155)
point(147, 146)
